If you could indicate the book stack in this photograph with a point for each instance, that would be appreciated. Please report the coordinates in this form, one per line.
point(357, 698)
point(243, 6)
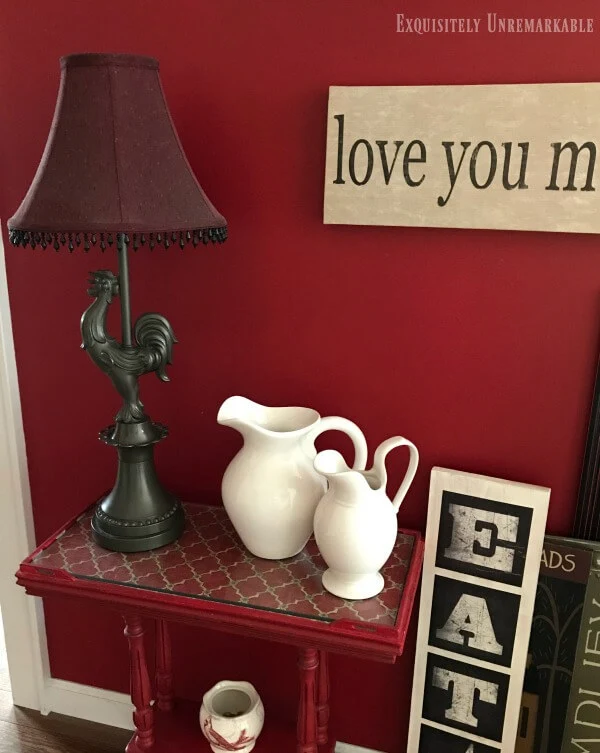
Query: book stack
point(560, 711)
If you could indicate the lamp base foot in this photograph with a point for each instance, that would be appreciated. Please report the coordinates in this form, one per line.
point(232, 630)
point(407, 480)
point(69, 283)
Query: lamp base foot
point(138, 514)
point(139, 537)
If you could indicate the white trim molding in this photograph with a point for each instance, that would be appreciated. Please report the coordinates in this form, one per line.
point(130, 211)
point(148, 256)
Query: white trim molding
point(22, 616)
point(87, 702)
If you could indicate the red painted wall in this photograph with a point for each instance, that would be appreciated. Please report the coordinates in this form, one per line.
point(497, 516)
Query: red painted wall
point(479, 346)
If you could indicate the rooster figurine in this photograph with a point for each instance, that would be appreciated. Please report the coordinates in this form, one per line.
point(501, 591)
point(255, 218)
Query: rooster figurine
point(138, 514)
point(125, 364)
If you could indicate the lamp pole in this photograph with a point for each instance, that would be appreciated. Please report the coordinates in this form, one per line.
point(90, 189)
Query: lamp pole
point(124, 290)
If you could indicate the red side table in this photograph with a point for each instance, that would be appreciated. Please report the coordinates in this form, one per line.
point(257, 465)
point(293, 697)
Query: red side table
point(207, 578)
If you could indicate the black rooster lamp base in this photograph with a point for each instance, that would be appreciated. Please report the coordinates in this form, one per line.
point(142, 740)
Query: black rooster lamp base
point(138, 514)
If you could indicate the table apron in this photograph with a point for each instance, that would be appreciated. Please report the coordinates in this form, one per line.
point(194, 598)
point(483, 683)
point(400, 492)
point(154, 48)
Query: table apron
point(319, 635)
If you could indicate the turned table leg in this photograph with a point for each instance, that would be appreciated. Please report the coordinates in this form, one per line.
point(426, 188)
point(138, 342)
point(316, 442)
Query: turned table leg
point(141, 691)
point(307, 711)
point(323, 699)
point(164, 671)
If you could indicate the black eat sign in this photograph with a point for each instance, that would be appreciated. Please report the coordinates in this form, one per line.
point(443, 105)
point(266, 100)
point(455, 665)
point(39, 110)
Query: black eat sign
point(482, 555)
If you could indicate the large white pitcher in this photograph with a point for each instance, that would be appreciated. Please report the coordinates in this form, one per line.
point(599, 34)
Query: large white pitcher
point(271, 489)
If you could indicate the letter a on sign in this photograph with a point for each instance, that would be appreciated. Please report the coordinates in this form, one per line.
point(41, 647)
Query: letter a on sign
point(470, 622)
point(483, 549)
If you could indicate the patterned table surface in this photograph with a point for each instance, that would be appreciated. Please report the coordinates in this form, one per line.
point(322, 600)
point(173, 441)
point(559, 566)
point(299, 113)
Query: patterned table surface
point(209, 562)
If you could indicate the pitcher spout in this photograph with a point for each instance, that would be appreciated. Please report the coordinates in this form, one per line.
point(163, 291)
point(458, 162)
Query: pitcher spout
point(345, 483)
point(237, 412)
point(244, 414)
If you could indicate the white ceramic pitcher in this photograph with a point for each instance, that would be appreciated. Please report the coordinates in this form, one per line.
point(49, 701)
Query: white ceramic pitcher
point(355, 522)
point(271, 489)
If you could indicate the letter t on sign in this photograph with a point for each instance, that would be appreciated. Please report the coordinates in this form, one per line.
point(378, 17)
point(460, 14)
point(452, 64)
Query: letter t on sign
point(463, 694)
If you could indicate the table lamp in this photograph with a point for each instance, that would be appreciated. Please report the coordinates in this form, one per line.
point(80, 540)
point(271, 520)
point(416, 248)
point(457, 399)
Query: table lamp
point(114, 173)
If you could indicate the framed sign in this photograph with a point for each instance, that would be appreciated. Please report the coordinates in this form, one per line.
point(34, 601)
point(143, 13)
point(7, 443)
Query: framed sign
point(505, 156)
point(482, 556)
point(587, 516)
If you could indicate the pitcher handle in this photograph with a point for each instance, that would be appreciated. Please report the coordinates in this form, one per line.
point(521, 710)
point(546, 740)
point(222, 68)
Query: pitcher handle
point(379, 465)
point(337, 423)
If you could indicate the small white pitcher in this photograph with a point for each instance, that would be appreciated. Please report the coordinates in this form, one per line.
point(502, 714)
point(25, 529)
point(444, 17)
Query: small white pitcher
point(232, 716)
point(355, 522)
point(271, 489)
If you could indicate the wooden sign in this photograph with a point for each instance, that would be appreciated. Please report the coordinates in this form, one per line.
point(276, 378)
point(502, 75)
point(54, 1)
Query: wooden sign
point(482, 557)
point(519, 157)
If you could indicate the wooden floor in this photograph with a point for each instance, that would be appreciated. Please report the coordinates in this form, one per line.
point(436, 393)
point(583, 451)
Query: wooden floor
point(25, 731)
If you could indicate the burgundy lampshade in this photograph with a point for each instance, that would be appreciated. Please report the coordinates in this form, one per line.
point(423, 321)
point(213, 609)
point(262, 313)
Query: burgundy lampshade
point(113, 164)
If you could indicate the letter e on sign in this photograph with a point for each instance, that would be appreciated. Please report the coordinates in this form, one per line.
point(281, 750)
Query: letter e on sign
point(486, 538)
point(482, 536)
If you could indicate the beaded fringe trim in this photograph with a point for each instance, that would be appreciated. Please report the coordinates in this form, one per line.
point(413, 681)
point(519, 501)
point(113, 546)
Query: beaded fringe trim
point(87, 240)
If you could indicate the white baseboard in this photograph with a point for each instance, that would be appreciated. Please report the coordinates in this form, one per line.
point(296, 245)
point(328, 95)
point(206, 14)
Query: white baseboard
point(108, 707)
point(87, 702)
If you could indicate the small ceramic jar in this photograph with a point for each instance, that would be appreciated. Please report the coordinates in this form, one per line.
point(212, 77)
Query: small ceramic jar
point(232, 716)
